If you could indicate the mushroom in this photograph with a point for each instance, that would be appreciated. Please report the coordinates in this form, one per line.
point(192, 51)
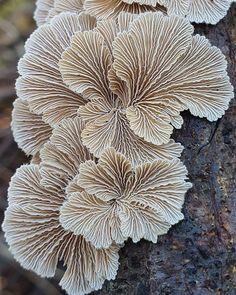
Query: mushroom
point(42, 9)
point(198, 11)
point(121, 201)
point(47, 9)
point(47, 96)
point(40, 88)
point(103, 9)
point(138, 77)
point(31, 224)
point(29, 129)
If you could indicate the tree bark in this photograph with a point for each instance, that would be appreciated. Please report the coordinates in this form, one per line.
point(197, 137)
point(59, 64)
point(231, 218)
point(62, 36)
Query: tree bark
point(198, 255)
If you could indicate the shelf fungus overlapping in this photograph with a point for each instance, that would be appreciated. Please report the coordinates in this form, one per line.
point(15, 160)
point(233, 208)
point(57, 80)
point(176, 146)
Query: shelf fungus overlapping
point(41, 86)
point(139, 77)
point(198, 11)
point(32, 228)
point(44, 100)
point(47, 9)
point(102, 86)
point(120, 201)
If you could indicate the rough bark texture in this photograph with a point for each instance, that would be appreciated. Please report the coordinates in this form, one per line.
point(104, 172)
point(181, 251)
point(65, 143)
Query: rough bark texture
point(197, 256)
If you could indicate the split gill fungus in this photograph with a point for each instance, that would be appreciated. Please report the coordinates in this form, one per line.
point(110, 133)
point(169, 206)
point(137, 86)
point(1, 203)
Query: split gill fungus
point(101, 87)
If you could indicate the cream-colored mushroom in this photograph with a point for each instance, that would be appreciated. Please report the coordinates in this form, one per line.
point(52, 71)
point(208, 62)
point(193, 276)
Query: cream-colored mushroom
point(65, 6)
point(47, 9)
point(29, 130)
point(40, 82)
point(31, 225)
point(42, 9)
point(122, 201)
point(198, 11)
point(103, 9)
point(138, 81)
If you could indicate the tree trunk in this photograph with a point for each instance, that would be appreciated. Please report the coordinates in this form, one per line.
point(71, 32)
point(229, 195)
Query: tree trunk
point(198, 255)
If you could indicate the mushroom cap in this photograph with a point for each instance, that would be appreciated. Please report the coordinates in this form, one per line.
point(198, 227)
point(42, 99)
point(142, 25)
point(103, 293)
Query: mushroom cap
point(41, 87)
point(138, 73)
point(31, 224)
point(42, 9)
point(103, 9)
point(121, 201)
point(44, 100)
point(29, 130)
point(198, 11)
point(47, 9)
point(40, 82)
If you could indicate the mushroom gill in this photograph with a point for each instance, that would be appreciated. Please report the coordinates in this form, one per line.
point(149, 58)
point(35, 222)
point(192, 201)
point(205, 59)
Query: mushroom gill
point(138, 73)
point(120, 201)
point(47, 9)
point(41, 85)
point(198, 11)
point(31, 224)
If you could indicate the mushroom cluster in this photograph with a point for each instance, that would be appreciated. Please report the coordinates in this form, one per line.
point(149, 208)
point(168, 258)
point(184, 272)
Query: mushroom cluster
point(198, 11)
point(101, 87)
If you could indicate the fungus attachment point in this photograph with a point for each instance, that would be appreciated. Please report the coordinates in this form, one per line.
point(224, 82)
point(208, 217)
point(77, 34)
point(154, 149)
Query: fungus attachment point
point(121, 201)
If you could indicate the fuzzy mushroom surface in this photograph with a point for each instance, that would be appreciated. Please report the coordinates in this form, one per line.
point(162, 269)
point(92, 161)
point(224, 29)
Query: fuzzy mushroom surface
point(138, 74)
point(120, 201)
point(31, 224)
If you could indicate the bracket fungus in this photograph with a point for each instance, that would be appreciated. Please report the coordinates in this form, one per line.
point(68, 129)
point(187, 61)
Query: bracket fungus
point(42, 87)
point(120, 201)
point(32, 228)
point(98, 98)
point(198, 11)
point(47, 9)
point(139, 79)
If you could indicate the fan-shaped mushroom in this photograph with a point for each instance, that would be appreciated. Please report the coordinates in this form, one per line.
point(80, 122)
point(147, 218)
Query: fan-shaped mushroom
point(29, 129)
point(40, 87)
point(122, 201)
point(138, 77)
point(47, 96)
point(32, 228)
point(47, 9)
point(198, 11)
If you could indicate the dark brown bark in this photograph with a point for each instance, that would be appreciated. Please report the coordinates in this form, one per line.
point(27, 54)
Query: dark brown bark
point(197, 256)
